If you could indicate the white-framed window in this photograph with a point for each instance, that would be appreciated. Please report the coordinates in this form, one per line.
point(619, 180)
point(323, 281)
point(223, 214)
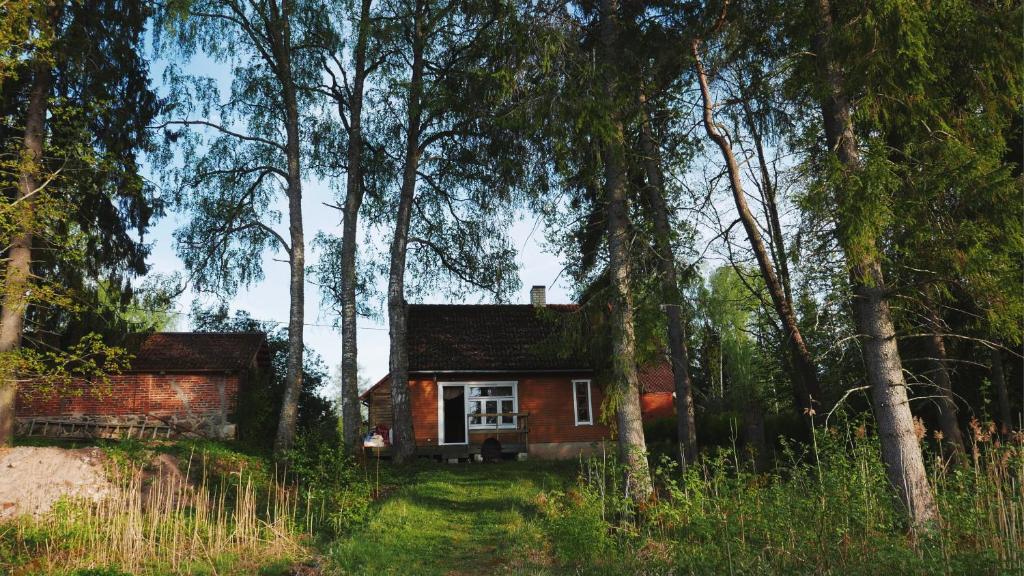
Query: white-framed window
point(497, 398)
point(582, 406)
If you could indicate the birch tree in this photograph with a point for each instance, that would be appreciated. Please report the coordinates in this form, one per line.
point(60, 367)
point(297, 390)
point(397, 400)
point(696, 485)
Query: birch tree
point(771, 264)
point(240, 155)
point(350, 51)
point(456, 172)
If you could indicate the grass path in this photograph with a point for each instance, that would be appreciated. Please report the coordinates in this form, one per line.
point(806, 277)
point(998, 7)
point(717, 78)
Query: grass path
point(457, 520)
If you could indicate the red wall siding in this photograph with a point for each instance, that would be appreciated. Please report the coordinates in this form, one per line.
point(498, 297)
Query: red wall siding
point(658, 405)
point(162, 395)
point(547, 398)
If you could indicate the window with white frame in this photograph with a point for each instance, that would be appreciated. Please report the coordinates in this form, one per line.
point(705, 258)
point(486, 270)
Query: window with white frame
point(495, 399)
point(582, 407)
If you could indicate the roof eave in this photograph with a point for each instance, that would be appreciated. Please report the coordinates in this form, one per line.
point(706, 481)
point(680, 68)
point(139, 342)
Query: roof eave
point(506, 371)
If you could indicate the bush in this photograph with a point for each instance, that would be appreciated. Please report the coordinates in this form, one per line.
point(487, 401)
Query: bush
point(333, 482)
point(662, 430)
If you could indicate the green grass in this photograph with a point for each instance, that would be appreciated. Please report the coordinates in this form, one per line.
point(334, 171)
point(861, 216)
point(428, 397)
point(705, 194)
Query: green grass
point(457, 519)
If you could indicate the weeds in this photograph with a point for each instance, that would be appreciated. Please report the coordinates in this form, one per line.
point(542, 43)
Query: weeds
point(831, 513)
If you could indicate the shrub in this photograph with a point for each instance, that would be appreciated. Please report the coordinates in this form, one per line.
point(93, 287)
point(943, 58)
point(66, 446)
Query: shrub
point(332, 483)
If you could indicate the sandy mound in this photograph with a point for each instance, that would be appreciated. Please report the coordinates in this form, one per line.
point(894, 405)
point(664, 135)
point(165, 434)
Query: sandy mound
point(32, 479)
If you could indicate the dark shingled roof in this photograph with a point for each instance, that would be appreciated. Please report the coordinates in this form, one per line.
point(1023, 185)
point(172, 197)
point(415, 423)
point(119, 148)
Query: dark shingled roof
point(487, 337)
point(197, 351)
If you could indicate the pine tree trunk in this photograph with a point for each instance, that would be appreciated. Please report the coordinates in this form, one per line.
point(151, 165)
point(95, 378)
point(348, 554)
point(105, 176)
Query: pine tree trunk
point(402, 427)
point(1006, 421)
point(297, 252)
point(806, 382)
point(632, 446)
point(685, 421)
point(351, 416)
point(901, 451)
point(953, 438)
point(17, 277)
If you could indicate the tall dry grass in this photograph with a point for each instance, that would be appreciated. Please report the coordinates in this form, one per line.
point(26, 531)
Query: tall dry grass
point(165, 524)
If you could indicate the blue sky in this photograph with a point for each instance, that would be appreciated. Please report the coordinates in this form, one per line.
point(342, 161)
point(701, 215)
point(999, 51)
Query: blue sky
point(268, 300)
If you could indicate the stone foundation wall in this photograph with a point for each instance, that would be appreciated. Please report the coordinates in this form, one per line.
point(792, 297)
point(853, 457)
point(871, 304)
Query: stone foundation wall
point(568, 450)
point(123, 426)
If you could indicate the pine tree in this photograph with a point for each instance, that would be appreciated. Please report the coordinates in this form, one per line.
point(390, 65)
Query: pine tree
point(76, 103)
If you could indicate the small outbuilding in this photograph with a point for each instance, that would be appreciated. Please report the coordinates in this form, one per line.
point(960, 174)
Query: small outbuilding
point(179, 383)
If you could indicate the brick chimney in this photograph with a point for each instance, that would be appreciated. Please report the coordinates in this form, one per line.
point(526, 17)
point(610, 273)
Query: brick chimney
point(538, 296)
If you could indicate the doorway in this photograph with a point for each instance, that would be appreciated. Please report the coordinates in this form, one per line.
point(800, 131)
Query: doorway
point(453, 410)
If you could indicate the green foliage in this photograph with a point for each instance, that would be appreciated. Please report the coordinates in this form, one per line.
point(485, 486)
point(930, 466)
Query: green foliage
point(744, 333)
point(259, 405)
point(62, 371)
point(95, 207)
point(333, 482)
point(832, 514)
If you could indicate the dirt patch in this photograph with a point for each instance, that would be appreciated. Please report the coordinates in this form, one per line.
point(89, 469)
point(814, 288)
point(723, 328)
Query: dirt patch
point(32, 479)
point(164, 484)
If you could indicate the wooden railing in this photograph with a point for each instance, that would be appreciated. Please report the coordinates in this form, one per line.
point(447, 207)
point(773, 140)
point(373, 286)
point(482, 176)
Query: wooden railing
point(519, 427)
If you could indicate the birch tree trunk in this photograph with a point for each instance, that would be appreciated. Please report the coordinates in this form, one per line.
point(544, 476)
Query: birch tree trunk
point(806, 383)
point(678, 352)
point(402, 427)
point(297, 251)
point(17, 277)
point(901, 450)
point(351, 417)
point(632, 446)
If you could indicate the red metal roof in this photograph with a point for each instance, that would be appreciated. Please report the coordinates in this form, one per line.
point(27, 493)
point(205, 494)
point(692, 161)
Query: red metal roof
point(657, 378)
point(197, 351)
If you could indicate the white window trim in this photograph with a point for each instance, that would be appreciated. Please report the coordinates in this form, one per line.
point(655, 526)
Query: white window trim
point(576, 408)
point(465, 395)
point(515, 405)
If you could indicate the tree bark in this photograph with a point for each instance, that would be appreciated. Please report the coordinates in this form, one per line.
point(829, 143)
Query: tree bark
point(901, 450)
point(404, 439)
point(1006, 422)
point(632, 446)
point(297, 252)
point(754, 434)
point(953, 437)
point(351, 417)
point(17, 278)
point(806, 382)
point(678, 352)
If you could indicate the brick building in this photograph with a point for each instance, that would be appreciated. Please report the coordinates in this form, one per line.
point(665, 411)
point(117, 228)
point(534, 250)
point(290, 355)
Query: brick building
point(179, 382)
point(494, 377)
